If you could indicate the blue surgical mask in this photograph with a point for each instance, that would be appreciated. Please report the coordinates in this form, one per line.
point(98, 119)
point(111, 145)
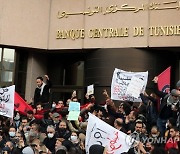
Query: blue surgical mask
point(12, 134)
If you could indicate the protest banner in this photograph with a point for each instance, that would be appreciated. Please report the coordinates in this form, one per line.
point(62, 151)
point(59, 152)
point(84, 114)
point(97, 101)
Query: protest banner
point(99, 132)
point(7, 101)
point(121, 80)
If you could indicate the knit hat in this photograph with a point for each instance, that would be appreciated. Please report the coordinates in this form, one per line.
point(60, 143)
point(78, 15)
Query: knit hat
point(174, 93)
point(178, 84)
point(55, 115)
point(96, 149)
point(27, 150)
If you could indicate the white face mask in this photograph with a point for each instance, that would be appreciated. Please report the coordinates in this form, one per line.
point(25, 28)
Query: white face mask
point(17, 117)
point(50, 135)
point(12, 134)
point(26, 135)
point(166, 125)
point(73, 138)
point(53, 105)
point(154, 135)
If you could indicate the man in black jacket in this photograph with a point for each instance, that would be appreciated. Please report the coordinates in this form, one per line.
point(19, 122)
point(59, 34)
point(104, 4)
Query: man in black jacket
point(167, 106)
point(41, 93)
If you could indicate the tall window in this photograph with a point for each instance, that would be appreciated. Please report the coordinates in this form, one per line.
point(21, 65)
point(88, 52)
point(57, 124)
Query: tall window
point(7, 63)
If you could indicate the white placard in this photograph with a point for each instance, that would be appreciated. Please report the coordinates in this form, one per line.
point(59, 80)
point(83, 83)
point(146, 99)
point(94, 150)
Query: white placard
point(90, 89)
point(120, 82)
point(99, 132)
point(7, 101)
point(135, 87)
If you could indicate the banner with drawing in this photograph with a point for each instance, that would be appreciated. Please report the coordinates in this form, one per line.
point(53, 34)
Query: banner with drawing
point(99, 132)
point(7, 101)
point(128, 85)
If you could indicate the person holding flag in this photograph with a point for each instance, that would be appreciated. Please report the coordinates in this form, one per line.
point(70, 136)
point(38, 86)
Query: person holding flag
point(178, 106)
point(167, 105)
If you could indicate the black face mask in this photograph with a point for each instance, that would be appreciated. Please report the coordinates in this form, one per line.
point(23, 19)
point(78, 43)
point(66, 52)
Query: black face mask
point(6, 149)
point(147, 149)
point(62, 129)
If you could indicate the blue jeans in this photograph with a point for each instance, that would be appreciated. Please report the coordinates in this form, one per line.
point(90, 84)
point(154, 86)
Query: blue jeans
point(161, 124)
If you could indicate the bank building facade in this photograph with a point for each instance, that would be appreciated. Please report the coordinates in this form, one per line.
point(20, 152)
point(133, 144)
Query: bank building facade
point(80, 42)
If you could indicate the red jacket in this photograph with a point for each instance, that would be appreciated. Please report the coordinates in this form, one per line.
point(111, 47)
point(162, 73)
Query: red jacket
point(171, 143)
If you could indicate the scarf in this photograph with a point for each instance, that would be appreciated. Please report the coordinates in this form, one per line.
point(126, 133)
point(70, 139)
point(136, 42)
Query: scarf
point(41, 88)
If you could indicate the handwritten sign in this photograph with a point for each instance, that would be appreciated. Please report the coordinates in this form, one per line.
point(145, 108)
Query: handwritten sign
point(74, 106)
point(135, 87)
point(7, 101)
point(74, 110)
point(73, 115)
point(90, 89)
point(99, 132)
point(121, 81)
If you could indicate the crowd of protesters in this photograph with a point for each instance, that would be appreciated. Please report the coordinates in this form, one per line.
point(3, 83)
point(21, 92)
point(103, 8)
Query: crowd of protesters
point(46, 130)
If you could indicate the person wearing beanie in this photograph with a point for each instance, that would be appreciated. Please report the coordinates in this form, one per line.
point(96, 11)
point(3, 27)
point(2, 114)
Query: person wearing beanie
point(96, 149)
point(28, 150)
point(178, 85)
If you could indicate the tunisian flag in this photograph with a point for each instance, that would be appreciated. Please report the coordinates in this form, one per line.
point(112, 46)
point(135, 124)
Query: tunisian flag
point(164, 83)
point(164, 80)
point(21, 105)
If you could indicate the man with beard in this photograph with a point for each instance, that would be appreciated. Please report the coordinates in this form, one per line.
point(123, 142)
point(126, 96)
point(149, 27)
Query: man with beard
point(139, 137)
point(167, 106)
point(63, 131)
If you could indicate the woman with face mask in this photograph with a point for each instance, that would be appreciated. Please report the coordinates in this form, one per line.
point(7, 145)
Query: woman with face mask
point(78, 146)
point(12, 134)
